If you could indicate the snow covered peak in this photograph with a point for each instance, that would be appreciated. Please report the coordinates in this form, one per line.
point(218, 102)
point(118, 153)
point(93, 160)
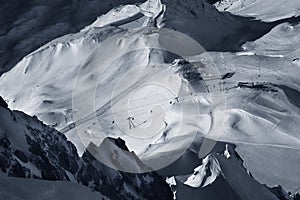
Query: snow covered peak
point(115, 154)
point(123, 71)
point(205, 174)
point(49, 74)
point(210, 169)
point(30, 149)
point(227, 153)
point(220, 177)
point(149, 13)
point(266, 10)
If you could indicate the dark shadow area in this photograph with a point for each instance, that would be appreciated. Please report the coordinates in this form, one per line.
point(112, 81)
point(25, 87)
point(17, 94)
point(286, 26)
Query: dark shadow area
point(27, 25)
point(292, 95)
point(218, 31)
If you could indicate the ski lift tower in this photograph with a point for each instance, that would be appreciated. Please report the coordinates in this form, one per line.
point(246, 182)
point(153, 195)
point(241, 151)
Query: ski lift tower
point(130, 121)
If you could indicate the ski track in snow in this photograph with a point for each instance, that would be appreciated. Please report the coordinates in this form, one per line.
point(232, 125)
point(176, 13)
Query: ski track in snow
point(254, 117)
point(265, 10)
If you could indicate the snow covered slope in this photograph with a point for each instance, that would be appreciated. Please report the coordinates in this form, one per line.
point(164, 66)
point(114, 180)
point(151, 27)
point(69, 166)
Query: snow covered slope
point(26, 26)
point(47, 190)
point(282, 42)
point(222, 176)
point(138, 78)
point(261, 85)
point(29, 149)
point(266, 10)
point(263, 94)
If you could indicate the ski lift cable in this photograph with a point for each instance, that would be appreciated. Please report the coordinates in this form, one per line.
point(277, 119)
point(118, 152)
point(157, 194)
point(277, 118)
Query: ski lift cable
point(181, 99)
point(81, 121)
point(142, 98)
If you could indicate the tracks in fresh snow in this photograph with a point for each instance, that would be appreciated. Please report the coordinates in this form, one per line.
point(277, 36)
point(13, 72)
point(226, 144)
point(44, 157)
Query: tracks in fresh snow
point(101, 112)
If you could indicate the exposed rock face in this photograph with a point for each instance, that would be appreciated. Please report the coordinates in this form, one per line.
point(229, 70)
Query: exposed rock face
point(223, 176)
point(30, 149)
point(3, 103)
point(119, 143)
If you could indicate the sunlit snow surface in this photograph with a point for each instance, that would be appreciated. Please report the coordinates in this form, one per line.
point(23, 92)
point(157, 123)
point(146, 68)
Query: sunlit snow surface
point(225, 170)
point(265, 10)
point(110, 81)
point(43, 82)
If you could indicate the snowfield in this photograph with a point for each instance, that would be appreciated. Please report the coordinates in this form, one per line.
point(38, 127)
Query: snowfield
point(127, 75)
point(31, 150)
point(95, 63)
point(265, 10)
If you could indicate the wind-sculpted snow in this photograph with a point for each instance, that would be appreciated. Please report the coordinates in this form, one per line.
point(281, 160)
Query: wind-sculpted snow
point(266, 10)
point(26, 26)
point(133, 16)
point(262, 104)
point(281, 42)
point(275, 60)
point(260, 108)
point(91, 84)
point(205, 174)
point(127, 76)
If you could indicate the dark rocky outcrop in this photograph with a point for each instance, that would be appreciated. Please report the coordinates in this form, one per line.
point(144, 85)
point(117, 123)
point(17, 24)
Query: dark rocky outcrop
point(45, 153)
point(3, 103)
